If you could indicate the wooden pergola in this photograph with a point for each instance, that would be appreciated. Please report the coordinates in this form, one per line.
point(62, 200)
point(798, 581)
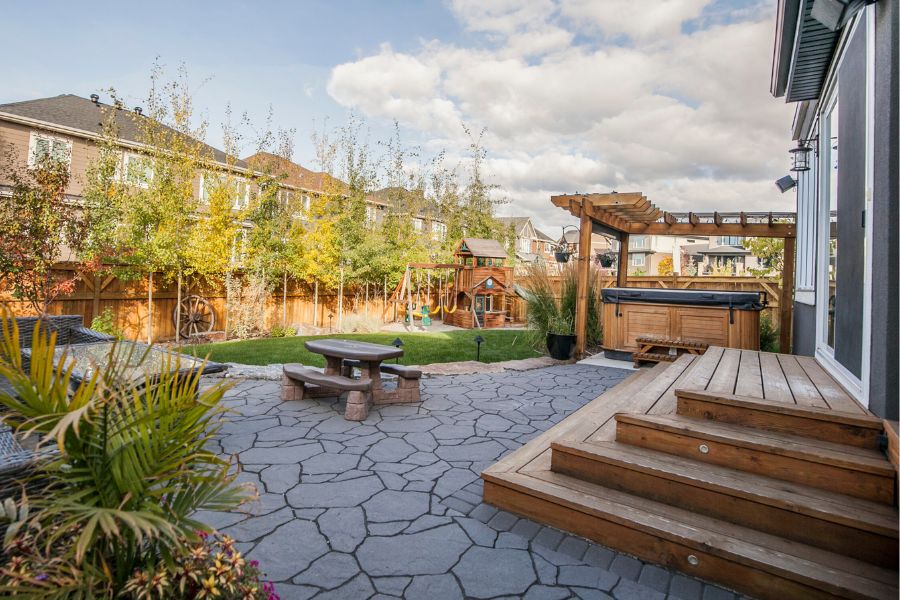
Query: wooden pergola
point(620, 215)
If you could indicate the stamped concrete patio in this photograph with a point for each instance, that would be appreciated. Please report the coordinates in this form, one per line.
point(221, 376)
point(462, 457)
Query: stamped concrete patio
point(391, 506)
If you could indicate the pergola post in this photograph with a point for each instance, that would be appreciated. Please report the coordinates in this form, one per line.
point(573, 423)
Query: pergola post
point(786, 302)
point(583, 273)
point(622, 274)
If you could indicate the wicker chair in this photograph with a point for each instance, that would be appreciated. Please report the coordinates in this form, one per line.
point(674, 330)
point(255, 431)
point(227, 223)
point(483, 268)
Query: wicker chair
point(70, 329)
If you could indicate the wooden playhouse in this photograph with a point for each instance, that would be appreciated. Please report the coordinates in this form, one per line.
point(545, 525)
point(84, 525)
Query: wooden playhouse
point(483, 280)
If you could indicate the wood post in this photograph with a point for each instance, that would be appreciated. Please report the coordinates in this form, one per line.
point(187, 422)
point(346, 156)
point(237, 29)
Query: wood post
point(284, 300)
point(622, 275)
point(341, 301)
point(178, 310)
point(584, 272)
point(95, 306)
point(315, 303)
point(786, 301)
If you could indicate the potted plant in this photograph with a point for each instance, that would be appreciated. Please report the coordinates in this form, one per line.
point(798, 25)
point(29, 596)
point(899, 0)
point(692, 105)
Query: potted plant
point(561, 337)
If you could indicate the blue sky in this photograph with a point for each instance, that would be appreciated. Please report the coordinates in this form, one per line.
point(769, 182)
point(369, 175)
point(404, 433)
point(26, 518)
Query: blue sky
point(575, 95)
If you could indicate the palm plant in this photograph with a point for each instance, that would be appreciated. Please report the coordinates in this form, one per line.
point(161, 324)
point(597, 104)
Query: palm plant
point(133, 465)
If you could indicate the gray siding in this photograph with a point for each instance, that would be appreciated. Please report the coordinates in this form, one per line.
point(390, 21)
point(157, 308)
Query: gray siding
point(804, 341)
point(884, 391)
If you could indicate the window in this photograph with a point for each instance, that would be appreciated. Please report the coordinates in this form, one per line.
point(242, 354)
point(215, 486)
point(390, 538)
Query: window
point(637, 260)
point(239, 247)
point(239, 188)
point(138, 170)
point(417, 224)
point(438, 230)
point(285, 197)
point(41, 147)
point(371, 216)
point(638, 241)
point(731, 240)
point(306, 202)
point(524, 245)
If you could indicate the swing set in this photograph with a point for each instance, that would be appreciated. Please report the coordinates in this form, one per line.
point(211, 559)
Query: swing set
point(477, 284)
point(414, 298)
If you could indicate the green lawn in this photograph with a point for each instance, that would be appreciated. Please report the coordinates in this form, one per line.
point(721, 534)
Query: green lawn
point(419, 348)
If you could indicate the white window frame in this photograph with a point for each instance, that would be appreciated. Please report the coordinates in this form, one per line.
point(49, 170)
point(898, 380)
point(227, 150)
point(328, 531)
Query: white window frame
point(634, 257)
point(438, 230)
point(418, 224)
point(53, 139)
point(127, 157)
point(638, 242)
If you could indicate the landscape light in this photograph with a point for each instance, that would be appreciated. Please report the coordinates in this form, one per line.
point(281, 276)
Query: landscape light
point(478, 340)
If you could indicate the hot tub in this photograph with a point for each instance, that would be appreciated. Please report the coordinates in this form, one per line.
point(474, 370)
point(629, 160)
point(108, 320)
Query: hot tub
point(719, 318)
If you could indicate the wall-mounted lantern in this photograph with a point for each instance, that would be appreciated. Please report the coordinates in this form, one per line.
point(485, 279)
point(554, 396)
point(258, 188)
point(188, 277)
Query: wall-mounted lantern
point(800, 156)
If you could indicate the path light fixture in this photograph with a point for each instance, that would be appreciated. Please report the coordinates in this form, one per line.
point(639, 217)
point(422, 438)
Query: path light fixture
point(478, 340)
point(800, 156)
point(330, 317)
point(397, 343)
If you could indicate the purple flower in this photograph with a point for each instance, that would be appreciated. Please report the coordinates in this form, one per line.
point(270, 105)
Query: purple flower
point(42, 577)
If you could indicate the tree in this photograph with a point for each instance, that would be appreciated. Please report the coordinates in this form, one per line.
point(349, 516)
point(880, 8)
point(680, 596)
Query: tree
point(40, 227)
point(770, 252)
point(666, 266)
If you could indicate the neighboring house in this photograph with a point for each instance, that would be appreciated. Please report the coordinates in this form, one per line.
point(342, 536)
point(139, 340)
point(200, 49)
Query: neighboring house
point(600, 244)
point(531, 243)
point(840, 67)
point(296, 182)
point(405, 202)
point(719, 255)
point(70, 127)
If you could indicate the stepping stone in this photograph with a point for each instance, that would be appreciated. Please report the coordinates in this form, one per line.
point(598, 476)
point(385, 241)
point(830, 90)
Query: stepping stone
point(428, 552)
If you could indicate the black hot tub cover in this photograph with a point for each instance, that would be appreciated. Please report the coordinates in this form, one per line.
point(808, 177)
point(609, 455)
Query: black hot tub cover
point(736, 300)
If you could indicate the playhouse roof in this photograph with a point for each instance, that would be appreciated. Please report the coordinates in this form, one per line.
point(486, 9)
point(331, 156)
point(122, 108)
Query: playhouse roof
point(482, 248)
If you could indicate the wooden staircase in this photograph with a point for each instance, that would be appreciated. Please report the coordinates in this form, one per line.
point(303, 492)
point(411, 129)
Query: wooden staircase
point(771, 499)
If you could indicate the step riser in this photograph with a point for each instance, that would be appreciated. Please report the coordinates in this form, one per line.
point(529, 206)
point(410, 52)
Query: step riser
point(738, 576)
point(817, 429)
point(864, 545)
point(835, 478)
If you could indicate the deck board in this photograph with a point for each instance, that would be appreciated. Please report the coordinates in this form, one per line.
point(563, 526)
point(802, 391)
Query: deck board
point(749, 379)
point(775, 384)
point(805, 391)
point(724, 379)
point(833, 394)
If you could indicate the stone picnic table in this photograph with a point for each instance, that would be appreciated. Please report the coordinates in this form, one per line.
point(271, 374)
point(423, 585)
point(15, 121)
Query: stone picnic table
point(368, 355)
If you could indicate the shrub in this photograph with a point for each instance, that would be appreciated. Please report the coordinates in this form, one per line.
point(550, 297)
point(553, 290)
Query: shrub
point(105, 322)
point(769, 335)
point(134, 465)
point(548, 312)
point(357, 323)
point(282, 331)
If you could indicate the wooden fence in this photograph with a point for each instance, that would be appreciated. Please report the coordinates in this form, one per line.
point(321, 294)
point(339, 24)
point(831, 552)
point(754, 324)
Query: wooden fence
point(298, 304)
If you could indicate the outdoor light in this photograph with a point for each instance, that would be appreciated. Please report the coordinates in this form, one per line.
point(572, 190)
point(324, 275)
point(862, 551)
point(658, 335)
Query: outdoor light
point(785, 183)
point(396, 344)
point(478, 340)
point(330, 317)
point(800, 156)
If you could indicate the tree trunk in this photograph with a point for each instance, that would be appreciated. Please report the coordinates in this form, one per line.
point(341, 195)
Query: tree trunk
point(367, 299)
point(341, 301)
point(178, 310)
point(315, 303)
point(150, 308)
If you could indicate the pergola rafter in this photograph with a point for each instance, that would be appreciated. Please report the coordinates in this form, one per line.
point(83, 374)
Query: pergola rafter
point(631, 213)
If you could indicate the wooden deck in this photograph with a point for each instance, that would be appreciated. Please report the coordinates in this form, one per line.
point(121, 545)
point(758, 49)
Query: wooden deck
point(750, 469)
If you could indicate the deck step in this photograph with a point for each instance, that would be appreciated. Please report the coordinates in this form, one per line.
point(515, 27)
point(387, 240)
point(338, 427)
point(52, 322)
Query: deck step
point(752, 562)
point(842, 524)
point(842, 469)
point(855, 429)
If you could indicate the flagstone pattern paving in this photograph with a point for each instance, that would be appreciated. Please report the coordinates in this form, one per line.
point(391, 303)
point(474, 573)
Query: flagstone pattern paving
point(391, 506)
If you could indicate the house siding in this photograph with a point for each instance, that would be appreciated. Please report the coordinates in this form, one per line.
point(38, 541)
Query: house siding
point(884, 389)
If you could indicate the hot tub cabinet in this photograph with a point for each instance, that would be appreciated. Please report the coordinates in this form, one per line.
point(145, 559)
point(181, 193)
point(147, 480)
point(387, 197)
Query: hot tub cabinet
point(719, 318)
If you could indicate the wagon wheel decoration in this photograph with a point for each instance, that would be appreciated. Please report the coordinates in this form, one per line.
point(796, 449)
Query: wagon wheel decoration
point(197, 316)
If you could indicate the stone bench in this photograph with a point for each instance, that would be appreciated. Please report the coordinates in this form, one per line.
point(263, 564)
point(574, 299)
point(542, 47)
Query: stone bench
point(407, 382)
point(298, 381)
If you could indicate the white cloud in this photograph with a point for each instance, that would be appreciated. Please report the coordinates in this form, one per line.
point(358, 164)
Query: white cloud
point(580, 95)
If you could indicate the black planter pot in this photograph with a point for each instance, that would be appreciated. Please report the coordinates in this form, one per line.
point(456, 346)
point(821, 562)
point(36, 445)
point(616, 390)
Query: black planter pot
point(560, 345)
